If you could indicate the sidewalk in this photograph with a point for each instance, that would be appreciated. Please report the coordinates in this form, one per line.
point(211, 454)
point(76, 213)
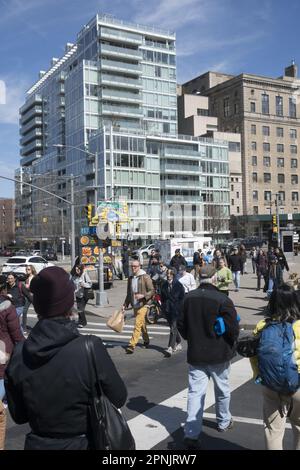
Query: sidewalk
point(249, 303)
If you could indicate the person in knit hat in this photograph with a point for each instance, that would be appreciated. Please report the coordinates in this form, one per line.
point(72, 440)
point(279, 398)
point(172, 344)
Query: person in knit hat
point(47, 380)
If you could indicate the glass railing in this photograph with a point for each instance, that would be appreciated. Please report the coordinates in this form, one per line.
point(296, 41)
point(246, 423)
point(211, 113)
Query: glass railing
point(111, 20)
point(30, 158)
point(106, 48)
point(179, 151)
point(111, 94)
point(180, 183)
point(120, 79)
point(168, 47)
point(180, 167)
point(31, 124)
point(31, 135)
point(190, 198)
point(36, 144)
point(121, 34)
point(33, 111)
point(121, 110)
point(36, 98)
point(121, 65)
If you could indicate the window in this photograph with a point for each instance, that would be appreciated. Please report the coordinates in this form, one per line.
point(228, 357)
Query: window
point(255, 209)
point(294, 179)
point(294, 163)
point(279, 131)
point(292, 107)
point(267, 196)
point(232, 187)
point(232, 202)
point(253, 129)
point(252, 107)
point(280, 162)
point(280, 178)
point(267, 177)
point(254, 161)
point(238, 209)
point(236, 108)
point(265, 103)
point(293, 133)
point(234, 146)
point(267, 161)
point(279, 106)
point(254, 177)
point(226, 107)
point(266, 147)
point(253, 145)
point(265, 130)
point(237, 194)
point(255, 195)
point(280, 148)
point(293, 149)
point(202, 112)
point(295, 196)
point(281, 196)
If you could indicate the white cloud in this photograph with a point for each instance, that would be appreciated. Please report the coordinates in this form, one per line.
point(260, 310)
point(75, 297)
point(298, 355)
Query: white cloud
point(15, 97)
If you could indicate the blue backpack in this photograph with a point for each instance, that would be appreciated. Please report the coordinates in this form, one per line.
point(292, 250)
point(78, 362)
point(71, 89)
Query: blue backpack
point(276, 362)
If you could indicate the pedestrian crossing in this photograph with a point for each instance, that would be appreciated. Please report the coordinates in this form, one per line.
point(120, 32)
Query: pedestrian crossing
point(101, 330)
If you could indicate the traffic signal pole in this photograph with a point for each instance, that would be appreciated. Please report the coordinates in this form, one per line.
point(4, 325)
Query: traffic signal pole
point(278, 221)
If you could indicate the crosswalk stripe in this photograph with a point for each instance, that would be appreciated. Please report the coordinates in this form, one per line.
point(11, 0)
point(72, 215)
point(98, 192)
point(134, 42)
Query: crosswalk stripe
point(111, 336)
point(157, 423)
point(158, 333)
point(241, 419)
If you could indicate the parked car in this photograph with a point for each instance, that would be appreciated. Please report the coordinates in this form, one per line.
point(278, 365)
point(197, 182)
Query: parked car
point(17, 265)
point(50, 255)
point(144, 250)
point(250, 242)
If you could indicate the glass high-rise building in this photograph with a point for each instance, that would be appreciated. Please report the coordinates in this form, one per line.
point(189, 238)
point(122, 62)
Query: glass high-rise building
point(113, 94)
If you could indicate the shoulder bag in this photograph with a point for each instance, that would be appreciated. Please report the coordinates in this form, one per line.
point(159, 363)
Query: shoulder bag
point(108, 428)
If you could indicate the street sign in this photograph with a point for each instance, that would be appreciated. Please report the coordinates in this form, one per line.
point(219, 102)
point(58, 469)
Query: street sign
point(88, 231)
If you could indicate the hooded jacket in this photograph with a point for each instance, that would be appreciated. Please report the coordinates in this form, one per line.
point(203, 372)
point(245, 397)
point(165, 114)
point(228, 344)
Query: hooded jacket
point(10, 331)
point(144, 286)
point(48, 385)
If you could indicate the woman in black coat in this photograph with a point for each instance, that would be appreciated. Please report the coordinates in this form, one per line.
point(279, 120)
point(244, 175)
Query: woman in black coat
point(47, 380)
point(172, 295)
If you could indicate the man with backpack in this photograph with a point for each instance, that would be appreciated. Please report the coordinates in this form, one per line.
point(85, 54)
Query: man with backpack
point(277, 366)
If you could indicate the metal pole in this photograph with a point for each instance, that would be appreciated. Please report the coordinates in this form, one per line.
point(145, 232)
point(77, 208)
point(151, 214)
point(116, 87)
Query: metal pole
point(62, 235)
point(72, 222)
point(278, 220)
point(101, 296)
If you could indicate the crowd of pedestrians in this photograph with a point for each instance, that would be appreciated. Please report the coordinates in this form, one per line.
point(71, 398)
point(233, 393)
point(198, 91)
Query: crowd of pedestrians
point(197, 306)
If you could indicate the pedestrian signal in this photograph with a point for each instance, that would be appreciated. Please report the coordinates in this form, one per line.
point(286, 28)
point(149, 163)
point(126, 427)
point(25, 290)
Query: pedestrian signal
point(275, 229)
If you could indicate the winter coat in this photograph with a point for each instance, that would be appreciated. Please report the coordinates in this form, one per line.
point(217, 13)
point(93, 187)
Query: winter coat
point(201, 307)
point(178, 261)
point(235, 263)
point(261, 265)
point(145, 287)
point(172, 296)
point(17, 294)
point(80, 283)
point(10, 331)
point(282, 261)
point(48, 385)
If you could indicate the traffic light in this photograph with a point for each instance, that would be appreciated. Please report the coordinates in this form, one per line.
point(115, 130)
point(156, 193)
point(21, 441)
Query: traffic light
point(274, 219)
point(89, 211)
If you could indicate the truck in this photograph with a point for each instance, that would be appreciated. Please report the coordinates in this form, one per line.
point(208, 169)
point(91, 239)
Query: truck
point(187, 247)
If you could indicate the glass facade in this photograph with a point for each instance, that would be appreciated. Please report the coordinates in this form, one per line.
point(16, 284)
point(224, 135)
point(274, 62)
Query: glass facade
point(112, 97)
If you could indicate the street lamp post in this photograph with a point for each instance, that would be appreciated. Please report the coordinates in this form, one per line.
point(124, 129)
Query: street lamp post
point(101, 296)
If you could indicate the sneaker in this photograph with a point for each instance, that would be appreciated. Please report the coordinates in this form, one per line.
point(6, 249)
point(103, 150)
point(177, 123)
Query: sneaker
point(230, 426)
point(146, 344)
point(169, 351)
point(178, 347)
point(80, 325)
point(191, 444)
point(129, 350)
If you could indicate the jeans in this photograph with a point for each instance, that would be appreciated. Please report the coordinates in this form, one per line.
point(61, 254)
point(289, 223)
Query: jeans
point(2, 389)
point(81, 303)
point(198, 381)
point(270, 287)
point(253, 266)
point(236, 276)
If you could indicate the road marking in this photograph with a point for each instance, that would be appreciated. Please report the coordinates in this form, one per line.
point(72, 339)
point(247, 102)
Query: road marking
point(157, 423)
point(158, 333)
point(112, 336)
point(240, 419)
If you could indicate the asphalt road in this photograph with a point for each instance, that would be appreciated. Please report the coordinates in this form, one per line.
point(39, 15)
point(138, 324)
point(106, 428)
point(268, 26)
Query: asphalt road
point(157, 391)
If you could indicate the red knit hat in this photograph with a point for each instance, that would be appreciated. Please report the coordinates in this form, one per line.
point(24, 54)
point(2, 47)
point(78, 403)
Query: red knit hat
point(53, 292)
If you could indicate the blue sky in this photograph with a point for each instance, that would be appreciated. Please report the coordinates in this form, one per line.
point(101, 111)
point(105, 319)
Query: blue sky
point(233, 36)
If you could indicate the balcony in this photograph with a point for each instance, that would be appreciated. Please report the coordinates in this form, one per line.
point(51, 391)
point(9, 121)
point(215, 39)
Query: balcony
point(28, 160)
point(116, 51)
point(121, 111)
point(180, 168)
point(118, 80)
point(180, 184)
point(123, 36)
point(37, 122)
point(124, 67)
point(34, 111)
point(35, 99)
point(27, 149)
point(116, 95)
point(31, 136)
point(187, 199)
point(180, 152)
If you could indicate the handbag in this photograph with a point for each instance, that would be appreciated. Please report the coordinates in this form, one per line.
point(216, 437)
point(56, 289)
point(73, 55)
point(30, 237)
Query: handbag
point(247, 345)
point(116, 321)
point(109, 430)
point(88, 293)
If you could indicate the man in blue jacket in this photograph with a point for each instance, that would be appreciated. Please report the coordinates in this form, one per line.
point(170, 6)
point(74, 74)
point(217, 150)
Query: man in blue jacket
point(208, 353)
